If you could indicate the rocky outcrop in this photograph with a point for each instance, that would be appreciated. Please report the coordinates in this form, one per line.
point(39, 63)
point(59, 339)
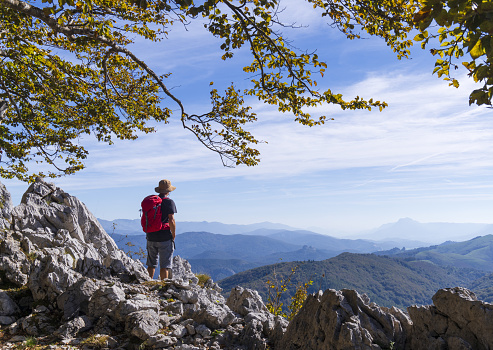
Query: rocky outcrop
point(68, 282)
point(456, 320)
point(337, 320)
point(345, 320)
point(5, 207)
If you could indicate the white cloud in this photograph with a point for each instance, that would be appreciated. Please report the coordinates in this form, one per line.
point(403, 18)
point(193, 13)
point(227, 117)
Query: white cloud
point(436, 134)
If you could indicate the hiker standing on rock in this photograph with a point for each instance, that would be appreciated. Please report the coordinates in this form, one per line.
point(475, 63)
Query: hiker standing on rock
point(158, 222)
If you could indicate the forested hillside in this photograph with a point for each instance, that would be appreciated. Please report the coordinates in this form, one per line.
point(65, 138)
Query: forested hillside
point(387, 281)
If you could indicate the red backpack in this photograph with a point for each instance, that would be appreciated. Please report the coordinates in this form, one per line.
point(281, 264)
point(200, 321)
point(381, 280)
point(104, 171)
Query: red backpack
point(151, 219)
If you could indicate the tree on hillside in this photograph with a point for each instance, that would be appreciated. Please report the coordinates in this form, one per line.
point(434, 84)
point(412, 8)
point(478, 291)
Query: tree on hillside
point(67, 69)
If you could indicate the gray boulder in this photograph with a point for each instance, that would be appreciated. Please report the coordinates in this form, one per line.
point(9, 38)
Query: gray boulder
point(457, 320)
point(6, 207)
point(7, 306)
point(14, 262)
point(58, 222)
point(244, 301)
point(210, 309)
point(70, 329)
point(75, 299)
point(182, 270)
point(128, 306)
point(142, 324)
point(339, 320)
point(105, 301)
point(8, 309)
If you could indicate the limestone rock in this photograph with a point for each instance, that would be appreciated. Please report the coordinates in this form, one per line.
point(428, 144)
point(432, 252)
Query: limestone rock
point(457, 319)
point(7, 306)
point(183, 271)
point(142, 324)
point(105, 301)
point(76, 298)
point(13, 262)
point(126, 307)
point(5, 207)
point(8, 309)
point(244, 301)
point(343, 320)
point(160, 341)
point(211, 309)
point(40, 322)
point(59, 223)
point(71, 328)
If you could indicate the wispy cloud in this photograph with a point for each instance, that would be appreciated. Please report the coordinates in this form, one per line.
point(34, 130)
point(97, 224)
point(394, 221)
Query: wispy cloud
point(428, 129)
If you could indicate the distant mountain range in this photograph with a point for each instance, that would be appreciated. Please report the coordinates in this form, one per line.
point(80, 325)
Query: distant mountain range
point(405, 232)
point(133, 227)
point(223, 254)
point(431, 233)
point(476, 253)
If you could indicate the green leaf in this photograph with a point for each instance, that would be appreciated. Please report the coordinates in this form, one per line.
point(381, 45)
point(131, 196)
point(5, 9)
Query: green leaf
point(477, 50)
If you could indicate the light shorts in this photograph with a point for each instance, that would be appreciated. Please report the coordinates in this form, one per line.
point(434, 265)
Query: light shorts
point(162, 249)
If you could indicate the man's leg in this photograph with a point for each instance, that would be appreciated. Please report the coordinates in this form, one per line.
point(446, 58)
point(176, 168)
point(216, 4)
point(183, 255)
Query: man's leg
point(166, 259)
point(152, 254)
point(151, 271)
point(163, 273)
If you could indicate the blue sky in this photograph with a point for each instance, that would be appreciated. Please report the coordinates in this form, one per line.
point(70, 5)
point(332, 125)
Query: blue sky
point(428, 156)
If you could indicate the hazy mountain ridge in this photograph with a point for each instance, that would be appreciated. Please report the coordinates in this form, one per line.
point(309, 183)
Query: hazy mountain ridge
point(133, 227)
point(432, 233)
point(476, 253)
point(255, 250)
point(399, 232)
point(236, 252)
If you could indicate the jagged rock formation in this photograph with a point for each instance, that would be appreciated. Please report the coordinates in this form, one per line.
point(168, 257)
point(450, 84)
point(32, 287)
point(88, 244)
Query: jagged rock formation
point(337, 320)
point(457, 320)
point(63, 280)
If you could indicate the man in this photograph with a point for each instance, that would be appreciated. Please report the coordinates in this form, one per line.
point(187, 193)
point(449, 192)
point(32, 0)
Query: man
point(161, 243)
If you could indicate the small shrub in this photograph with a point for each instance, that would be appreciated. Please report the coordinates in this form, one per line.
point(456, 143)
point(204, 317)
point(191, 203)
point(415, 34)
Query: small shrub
point(276, 289)
point(203, 278)
point(30, 343)
point(298, 299)
point(216, 332)
point(31, 256)
point(96, 341)
point(154, 283)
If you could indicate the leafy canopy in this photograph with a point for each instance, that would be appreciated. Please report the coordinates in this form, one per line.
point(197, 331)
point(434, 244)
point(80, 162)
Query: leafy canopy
point(67, 69)
point(464, 33)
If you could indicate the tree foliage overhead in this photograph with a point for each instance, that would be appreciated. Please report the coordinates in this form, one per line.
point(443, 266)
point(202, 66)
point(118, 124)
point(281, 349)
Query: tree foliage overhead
point(67, 69)
point(464, 33)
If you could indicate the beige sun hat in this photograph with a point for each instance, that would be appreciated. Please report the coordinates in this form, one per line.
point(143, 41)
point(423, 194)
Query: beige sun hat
point(164, 187)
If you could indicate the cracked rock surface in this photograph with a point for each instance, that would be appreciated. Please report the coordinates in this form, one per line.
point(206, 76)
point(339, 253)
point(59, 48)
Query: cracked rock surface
point(64, 280)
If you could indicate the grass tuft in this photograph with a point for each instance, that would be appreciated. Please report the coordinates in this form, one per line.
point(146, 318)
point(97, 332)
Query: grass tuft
point(203, 278)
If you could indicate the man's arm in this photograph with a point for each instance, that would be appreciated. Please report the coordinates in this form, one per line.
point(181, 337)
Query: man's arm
point(172, 225)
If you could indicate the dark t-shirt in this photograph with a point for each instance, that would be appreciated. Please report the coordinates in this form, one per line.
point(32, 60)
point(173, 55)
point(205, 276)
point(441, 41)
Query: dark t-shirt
point(167, 207)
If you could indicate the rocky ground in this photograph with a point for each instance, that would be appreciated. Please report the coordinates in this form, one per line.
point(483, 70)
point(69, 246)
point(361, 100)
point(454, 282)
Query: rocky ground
point(64, 284)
